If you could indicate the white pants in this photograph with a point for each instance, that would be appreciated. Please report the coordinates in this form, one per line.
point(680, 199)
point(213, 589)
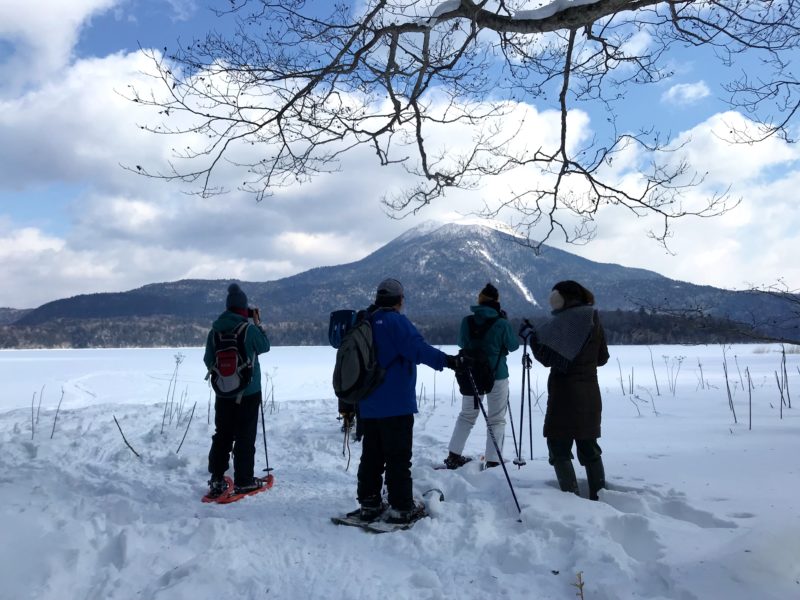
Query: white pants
point(496, 404)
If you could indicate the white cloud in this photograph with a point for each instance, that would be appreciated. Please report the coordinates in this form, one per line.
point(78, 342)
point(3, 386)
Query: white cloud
point(128, 230)
point(183, 9)
point(723, 252)
point(686, 93)
point(41, 35)
point(638, 44)
point(16, 244)
point(708, 149)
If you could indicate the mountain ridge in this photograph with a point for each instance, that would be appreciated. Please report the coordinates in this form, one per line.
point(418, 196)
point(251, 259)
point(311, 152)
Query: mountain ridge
point(442, 268)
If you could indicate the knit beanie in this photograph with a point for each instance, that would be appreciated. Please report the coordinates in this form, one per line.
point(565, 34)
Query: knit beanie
point(236, 297)
point(488, 294)
point(571, 293)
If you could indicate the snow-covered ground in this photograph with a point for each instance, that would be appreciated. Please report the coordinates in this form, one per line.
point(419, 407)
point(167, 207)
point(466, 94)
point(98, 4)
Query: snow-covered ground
point(697, 507)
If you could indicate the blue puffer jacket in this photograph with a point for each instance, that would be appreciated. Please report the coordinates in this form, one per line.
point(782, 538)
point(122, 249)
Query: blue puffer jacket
point(255, 343)
point(400, 349)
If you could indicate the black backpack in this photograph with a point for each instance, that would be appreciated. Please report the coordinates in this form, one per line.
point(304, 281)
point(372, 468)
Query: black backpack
point(357, 372)
point(232, 371)
point(476, 360)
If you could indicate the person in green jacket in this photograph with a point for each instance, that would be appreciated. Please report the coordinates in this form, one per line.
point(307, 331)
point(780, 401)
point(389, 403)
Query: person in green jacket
point(236, 418)
point(497, 341)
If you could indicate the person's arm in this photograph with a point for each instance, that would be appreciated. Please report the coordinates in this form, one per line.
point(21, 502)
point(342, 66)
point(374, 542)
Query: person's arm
point(413, 347)
point(602, 352)
point(463, 333)
point(510, 340)
point(208, 357)
point(541, 353)
point(257, 340)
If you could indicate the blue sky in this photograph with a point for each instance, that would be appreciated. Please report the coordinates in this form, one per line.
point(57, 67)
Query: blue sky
point(73, 221)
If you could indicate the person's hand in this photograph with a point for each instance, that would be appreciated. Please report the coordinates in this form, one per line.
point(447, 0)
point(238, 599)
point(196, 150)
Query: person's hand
point(453, 362)
point(526, 330)
point(256, 314)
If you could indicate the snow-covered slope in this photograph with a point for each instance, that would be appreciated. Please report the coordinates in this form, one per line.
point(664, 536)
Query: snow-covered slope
point(698, 507)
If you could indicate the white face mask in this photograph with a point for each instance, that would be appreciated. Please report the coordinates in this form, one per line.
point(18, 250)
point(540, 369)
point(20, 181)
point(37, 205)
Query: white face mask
point(556, 300)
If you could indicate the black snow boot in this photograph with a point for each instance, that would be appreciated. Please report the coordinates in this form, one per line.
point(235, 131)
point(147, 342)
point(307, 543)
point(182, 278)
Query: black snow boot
point(403, 517)
point(371, 509)
point(250, 486)
point(217, 486)
point(565, 473)
point(454, 461)
point(596, 476)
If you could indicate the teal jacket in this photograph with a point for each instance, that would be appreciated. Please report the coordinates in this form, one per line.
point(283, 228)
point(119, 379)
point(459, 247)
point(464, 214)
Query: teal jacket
point(255, 343)
point(498, 341)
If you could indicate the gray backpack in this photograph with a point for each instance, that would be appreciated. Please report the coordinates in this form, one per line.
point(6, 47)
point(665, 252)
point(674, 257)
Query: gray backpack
point(357, 372)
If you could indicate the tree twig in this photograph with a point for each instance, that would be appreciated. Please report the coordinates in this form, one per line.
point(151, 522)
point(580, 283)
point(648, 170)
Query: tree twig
point(187, 428)
point(56, 417)
point(124, 439)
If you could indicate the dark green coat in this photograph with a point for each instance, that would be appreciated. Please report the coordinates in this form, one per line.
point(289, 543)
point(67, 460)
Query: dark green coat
point(574, 404)
point(255, 343)
point(498, 341)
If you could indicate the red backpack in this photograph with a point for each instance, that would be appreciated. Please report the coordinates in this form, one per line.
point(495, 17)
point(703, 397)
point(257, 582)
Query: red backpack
point(232, 371)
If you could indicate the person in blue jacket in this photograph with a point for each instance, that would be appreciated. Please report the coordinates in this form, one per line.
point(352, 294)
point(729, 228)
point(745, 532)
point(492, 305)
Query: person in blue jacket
point(387, 415)
point(236, 419)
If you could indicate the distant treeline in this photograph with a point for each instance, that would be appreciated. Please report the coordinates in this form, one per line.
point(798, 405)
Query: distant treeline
point(622, 327)
point(627, 327)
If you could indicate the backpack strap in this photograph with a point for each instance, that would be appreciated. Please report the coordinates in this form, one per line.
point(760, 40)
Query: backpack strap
point(241, 334)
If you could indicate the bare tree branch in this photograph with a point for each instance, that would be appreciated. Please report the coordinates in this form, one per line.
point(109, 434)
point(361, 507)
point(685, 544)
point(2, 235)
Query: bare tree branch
point(299, 84)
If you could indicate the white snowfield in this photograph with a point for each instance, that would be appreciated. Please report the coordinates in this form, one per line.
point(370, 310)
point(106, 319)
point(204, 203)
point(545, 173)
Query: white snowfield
point(697, 506)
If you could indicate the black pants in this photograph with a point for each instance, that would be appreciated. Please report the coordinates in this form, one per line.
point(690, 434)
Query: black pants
point(236, 428)
point(589, 451)
point(386, 446)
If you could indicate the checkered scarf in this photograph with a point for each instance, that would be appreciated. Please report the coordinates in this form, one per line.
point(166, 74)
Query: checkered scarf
point(567, 332)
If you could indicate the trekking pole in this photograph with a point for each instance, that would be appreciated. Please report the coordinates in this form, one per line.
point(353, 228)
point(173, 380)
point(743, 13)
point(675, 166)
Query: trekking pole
point(530, 410)
point(526, 365)
point(494, 439)
point(264, 435)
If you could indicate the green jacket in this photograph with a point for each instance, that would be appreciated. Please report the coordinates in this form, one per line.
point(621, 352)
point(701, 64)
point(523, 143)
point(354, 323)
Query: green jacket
point(498, 341)
point(255, 343)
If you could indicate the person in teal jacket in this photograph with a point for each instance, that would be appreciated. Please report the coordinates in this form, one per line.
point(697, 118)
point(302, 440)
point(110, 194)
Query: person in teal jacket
point(497, 341)
point(236, 418)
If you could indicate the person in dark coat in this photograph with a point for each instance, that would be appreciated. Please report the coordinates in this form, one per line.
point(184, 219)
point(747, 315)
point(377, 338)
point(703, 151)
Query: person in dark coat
point(573, 345)
point(496, 342)
point(236, 419)
point(387, 414)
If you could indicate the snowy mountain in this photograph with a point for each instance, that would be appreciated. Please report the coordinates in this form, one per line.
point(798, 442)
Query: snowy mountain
point(442, 268)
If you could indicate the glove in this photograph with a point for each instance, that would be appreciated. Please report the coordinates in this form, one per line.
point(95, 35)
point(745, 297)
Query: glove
point(348, 418)
point(453, 362)
point(526, 330)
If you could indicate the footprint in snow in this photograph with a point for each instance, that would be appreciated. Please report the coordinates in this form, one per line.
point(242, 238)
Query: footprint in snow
point(672, 505)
